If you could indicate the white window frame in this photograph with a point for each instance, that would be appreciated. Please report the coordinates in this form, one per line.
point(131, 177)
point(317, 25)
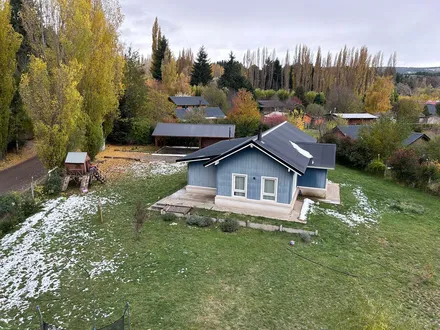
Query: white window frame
point(237, 190)
point(267, 194)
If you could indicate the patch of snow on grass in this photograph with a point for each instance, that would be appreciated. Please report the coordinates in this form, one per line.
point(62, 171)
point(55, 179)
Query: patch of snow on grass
point(156, 168)
point(306, 208)
point(362, 213)
point(29, 263)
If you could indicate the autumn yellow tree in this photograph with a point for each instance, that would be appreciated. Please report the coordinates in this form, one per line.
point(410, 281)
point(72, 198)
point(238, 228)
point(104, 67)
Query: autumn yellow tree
point(101, 84)
point(54, 104)
point(377, 99)
point(296, 118)
point(84, 32)
point(169, 73)
point(9, 44)
point(244, 114)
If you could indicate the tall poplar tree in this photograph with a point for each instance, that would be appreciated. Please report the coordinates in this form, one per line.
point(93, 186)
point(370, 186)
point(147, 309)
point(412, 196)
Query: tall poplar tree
point(9, 44)
point(201, 71)
point(158, 57)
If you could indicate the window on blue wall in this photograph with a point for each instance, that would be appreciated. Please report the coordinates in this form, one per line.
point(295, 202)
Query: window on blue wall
point(269, 188)
point(239, 185)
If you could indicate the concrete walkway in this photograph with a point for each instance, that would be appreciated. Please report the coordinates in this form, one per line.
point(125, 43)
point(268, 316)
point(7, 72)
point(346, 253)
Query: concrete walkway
point(206, 201)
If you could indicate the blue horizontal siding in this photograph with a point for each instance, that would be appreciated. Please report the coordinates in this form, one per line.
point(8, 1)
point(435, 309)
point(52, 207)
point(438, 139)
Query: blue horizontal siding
point(201, 176)
point(255, 164)
point(314, 178)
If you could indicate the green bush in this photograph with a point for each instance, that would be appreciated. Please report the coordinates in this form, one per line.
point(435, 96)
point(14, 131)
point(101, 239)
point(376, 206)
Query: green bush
point(169, 217)
point(53, 183)
point(194, 220)
point(305, 237)
point(405, 164)
point(376, 167)
point(6, 225)
point(29, 206)
point(9, 205)
point(229, 226)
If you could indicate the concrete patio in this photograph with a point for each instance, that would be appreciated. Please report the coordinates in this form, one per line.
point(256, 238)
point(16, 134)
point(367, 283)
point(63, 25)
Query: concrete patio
point(205, 200)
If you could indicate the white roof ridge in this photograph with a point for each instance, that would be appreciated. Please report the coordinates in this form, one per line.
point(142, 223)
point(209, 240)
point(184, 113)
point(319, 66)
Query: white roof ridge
point(273, 129)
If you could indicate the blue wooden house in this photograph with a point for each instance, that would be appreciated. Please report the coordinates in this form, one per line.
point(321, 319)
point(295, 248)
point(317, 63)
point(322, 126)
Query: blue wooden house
point(266, 171)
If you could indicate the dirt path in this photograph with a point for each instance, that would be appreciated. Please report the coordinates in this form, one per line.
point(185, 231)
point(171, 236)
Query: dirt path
point(20, 176)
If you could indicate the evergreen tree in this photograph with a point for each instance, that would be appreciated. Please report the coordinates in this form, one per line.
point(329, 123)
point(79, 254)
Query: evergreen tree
point(158, 57)
point(132, 106)
point(9, 45)
point(201, 72)
point(277, 75)
point(19, 122)
point(232, 77)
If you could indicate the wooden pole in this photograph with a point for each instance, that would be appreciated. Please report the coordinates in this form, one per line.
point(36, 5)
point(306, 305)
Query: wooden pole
point(100, 210)
point(32, 188)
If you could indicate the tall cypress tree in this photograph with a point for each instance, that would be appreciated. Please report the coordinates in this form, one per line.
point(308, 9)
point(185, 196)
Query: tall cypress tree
point(19, 122)
point(201, 72)
point(158, 57)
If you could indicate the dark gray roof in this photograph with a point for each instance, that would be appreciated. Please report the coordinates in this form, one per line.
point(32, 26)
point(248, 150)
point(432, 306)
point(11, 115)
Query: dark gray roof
point(76, 157)
point(350, 130)
point(194, 130)
point(271, 104)
point(214, 150)
point(432, 110)
point(285, 143)
point(324, 154)
point(193, 101)
point(414, 137)
point(210, 112)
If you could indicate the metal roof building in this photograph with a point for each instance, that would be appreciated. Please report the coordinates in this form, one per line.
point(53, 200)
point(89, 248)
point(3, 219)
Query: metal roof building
point(356, 115)
point(210, 113)
point(352, 131)
point(188, 101)
point(206, 133)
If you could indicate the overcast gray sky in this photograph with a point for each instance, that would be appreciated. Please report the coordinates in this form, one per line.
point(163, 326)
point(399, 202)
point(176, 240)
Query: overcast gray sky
point(411, 28)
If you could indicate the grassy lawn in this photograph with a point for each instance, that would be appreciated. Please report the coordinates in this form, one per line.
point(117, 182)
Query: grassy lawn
point(373, 275)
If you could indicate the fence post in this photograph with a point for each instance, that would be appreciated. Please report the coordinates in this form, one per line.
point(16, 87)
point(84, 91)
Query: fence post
point(281, 227)
point(32, 188)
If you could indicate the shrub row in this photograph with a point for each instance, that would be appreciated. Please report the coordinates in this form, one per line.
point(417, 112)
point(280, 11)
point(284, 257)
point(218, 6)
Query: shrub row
point(14, 209)
point(228, 226)
point(408, 166)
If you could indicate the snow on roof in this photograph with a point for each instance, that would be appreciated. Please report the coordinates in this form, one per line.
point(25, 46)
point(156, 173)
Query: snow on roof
point(356, 115)
point(303, 152)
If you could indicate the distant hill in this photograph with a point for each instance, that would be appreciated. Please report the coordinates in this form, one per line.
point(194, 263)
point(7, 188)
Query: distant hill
point(412, 70)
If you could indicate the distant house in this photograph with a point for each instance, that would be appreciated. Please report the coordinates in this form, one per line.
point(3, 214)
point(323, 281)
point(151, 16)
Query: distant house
point(356, 118)
point(262, 172)
point(207, 134)
point(268, 106)
point(352, 131)
point(430, 114)
point(312, 121)
point(188, 101)
point(212, 113)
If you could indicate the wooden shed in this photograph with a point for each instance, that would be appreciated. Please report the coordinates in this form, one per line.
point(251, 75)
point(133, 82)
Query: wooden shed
point(77, 163)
